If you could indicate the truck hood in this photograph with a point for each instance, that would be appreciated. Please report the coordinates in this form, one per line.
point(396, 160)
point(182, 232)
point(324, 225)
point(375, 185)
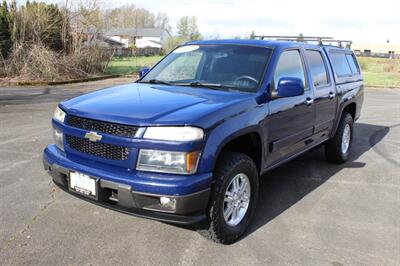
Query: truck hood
point(147, 104)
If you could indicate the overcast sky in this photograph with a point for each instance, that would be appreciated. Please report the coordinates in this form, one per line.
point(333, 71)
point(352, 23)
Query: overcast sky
point(361, 21)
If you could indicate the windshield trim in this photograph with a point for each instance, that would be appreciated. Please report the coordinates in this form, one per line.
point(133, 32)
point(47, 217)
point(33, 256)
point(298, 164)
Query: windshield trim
point(257, 89)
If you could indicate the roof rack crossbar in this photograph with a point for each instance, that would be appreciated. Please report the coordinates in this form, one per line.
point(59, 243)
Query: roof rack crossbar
point(290, 37)
point(320, 40)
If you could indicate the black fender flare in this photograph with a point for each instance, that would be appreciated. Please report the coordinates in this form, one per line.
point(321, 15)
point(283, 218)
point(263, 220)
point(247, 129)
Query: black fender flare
point(248, 130)
point(343, 106)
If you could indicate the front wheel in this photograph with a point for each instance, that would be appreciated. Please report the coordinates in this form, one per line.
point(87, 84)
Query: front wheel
point(233, 198)
point(337, 149)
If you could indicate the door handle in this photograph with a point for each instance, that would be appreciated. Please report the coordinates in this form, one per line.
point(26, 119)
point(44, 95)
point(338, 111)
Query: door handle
point(309, 101)
point(331, 95)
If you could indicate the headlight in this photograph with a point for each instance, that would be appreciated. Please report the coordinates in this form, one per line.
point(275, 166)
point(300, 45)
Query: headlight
point(168, 161)
point(59, 115)
point(174, 133)
point(58, 138)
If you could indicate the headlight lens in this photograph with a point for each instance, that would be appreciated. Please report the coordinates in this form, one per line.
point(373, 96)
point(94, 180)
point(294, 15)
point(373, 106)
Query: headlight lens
point(59, 115)
point(168, 161)
point(58, 138)
point(174, 133)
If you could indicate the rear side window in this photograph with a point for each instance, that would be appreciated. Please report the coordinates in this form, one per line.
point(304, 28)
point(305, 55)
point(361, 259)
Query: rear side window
point(290, 65)
point(353, 64)
point(317, 67)
point(340, 64)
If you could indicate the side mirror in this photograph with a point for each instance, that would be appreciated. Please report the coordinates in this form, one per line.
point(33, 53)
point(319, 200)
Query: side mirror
point(289, 87)
point(143, 71)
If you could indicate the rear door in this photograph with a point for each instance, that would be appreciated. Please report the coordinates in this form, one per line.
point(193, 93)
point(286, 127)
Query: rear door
point(291, 119)
point(325, 99)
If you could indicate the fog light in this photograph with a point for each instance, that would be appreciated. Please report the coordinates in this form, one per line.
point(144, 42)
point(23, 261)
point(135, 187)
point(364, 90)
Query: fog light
point(169, 203)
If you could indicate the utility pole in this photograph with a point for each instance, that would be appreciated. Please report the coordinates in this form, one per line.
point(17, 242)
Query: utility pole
point(134, 39)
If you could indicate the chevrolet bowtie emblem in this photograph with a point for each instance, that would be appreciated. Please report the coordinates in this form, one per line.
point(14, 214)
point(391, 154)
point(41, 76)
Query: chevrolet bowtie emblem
point(93, 136)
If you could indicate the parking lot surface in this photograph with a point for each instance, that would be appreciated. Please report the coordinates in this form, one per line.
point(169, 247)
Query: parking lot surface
point(309, 212)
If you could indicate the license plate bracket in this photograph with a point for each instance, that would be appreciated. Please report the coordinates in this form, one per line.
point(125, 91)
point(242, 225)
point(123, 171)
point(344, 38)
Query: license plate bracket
point(83, 184)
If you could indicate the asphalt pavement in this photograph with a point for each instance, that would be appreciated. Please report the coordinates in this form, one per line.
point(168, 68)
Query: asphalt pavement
point(310, 212)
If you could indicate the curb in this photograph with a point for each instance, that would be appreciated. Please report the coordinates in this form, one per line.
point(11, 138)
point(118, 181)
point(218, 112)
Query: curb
point(381, 87)
point(53, 83)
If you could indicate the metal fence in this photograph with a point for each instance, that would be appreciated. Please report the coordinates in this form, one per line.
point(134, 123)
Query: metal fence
point(138, 51)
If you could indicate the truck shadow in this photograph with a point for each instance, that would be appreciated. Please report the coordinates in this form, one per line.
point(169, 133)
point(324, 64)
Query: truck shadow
point(284, 186)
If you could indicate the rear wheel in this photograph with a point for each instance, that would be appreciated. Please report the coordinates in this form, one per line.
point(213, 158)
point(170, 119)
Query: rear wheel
point(233, 198)
point(337, 149)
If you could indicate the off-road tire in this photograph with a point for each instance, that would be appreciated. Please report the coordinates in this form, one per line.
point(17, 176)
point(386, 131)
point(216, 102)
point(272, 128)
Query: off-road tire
point(333, 148)
point(215, 227)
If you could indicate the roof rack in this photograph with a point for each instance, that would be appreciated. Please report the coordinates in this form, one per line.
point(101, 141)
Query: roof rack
point(320, 40)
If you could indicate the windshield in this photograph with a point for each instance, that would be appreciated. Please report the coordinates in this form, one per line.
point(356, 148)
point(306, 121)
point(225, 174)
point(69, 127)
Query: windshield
point(236, 67)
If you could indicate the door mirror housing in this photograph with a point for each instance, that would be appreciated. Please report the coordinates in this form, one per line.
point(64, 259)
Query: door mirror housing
point(289, 87)
point(143, 71)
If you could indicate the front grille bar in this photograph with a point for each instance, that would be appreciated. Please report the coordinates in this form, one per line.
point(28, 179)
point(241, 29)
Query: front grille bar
point(101, 126)
point(99, 149)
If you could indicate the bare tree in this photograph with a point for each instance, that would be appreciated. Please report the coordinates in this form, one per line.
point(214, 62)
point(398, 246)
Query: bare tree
point(130, 16)
point(187, 28)
point(162, 21)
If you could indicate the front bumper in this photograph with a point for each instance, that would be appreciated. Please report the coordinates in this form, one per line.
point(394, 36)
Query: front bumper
point(119, 193)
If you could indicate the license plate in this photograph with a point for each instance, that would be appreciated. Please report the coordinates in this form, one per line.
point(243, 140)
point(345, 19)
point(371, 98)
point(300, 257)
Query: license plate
point(83, 184)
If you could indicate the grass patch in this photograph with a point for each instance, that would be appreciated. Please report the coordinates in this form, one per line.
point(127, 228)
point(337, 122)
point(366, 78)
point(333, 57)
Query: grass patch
point(380, 72)
point(130, 65)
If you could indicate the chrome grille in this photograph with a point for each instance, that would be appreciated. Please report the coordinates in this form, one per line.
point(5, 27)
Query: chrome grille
point(104, 150)
point(101, 126)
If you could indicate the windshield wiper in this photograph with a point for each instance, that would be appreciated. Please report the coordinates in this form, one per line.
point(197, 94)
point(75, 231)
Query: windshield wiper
point(157, 81)
point(200, 84)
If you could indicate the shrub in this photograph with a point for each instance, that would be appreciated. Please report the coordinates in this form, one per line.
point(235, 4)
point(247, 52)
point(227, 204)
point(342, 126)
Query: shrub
point(37, 62)
point(42, 24)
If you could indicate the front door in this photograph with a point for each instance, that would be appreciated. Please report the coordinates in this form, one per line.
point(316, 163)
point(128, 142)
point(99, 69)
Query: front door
point(291, 119)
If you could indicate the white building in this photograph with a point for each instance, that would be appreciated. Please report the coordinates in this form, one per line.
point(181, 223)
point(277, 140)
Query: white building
point(388, 50)
point(138, 37)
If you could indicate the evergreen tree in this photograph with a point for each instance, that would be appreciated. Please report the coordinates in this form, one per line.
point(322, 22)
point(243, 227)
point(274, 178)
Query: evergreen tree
point(5, 33)
point(11, 18)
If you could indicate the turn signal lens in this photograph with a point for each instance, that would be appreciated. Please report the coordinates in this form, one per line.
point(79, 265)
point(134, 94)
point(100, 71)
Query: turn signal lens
point(191, 161)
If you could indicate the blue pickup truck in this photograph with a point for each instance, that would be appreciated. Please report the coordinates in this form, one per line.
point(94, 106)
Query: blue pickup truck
point(188, 142)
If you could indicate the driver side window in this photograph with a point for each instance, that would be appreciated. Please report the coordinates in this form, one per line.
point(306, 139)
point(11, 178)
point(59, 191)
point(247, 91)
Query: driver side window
point(182, 68)
point(290, 65)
